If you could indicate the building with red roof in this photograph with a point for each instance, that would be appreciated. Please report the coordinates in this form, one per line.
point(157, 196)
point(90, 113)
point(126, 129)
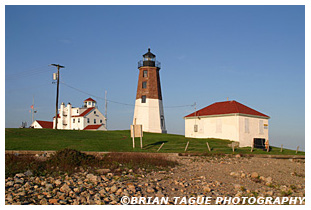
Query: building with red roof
point(228, 120)
point(87, 117)
point(42, 124)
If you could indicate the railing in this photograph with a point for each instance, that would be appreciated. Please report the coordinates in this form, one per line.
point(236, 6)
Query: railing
point(149, 63)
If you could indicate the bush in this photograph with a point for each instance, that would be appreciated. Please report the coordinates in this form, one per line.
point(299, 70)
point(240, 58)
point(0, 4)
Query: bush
point(69, 160)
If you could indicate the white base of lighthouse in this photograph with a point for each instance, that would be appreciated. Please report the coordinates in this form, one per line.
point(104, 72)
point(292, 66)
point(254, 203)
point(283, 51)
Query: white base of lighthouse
point(150, 115)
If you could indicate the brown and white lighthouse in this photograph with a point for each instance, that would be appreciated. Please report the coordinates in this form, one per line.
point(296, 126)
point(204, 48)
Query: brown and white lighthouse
point(148, 105)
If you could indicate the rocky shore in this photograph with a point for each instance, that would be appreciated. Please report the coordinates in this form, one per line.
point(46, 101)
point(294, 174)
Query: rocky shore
point(213, 176)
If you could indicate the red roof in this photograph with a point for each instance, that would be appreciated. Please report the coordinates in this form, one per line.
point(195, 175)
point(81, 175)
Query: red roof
point(92, 127)
point(226, 107)
point(85, 112)
point(89, 99)
point(45, 124)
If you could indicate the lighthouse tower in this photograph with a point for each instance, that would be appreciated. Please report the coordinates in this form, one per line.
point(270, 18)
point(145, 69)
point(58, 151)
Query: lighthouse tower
point(148, 105)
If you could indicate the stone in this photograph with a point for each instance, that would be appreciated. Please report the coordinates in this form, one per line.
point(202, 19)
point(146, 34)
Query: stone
point(254, 175)
point(9, 183)
point(19, 175)
point(18, 181)
point(237, 187)
point(150, 190)
point(207, 189)
point(236, 174)
point(268, 179)
point(43, 201)
point(53, 201)
point(113, 188)
point(28, 173)
point(65, 188)
point(103, 171)
point(92, 178)
point(49, 186)
point(57, 182)
point(102, 192)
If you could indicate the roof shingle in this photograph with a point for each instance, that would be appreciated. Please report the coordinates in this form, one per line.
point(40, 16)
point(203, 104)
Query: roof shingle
point(226, 107)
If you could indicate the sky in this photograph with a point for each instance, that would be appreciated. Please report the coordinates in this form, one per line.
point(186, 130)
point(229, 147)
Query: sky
point(252, 54)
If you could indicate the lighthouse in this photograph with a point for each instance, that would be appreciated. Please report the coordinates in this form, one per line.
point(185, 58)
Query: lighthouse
point(148, 110)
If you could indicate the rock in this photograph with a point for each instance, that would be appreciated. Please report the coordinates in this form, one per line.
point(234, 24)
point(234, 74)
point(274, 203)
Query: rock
point(65, 188)
point(53, 201)
point(237, 187)
point(236, 174)
point(243, 175)
point(206, 189)
point(113, 189)
point(49, 186)
point(19, 175)
point(238, 156)
point(9, 184)
point(103, 171)
point(92, 178)
point(43, 201)
point(57, 182)
point(254, 175)
point(28, 173)
point(150, 190)
point(18, 181)
point(268, 179)
point(102, 192)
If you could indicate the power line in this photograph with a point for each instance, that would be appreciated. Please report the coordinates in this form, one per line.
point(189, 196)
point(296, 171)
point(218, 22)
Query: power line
point(28, 73)
point(121, 103)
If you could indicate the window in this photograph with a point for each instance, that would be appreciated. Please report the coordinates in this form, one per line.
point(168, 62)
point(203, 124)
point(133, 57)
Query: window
point(88, 120)
point(162, 121)
point(78, 120)
point(260, 126)
point(94, 112)
point(195, 128)
point(73, 120)
point(218, 126)
point(94, 121)
point(101, 121)
point(143, 99)
point(246, 125)
point(145, 73)
point(77, 111)
point(89, 103)
point(144, 85)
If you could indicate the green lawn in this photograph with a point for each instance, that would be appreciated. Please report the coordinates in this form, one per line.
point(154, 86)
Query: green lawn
point(116, 141)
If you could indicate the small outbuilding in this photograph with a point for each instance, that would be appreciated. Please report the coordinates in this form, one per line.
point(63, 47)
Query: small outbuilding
point(42, 124)
point(229, 120)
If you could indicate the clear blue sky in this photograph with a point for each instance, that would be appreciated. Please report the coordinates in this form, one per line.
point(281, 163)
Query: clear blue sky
point(252, 54)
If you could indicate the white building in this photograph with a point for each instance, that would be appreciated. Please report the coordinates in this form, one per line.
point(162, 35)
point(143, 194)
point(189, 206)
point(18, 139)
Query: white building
point(228, 120)
point(86, 118)
point(42, 124)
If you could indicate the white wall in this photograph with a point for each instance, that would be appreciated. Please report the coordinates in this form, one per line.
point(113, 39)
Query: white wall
point(247, 136)
point(149, 115)
point(35, 124)
point(213, 127)
point(232, 127)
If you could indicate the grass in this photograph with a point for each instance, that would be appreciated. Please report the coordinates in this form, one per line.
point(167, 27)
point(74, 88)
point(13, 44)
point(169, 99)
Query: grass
point(119, 141)
point(70, 161)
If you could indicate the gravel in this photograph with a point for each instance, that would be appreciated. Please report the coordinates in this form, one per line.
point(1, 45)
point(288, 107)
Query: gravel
point(193, 177)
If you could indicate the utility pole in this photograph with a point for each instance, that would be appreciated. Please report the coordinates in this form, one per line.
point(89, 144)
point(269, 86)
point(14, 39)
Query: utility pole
point(106, 109)
point(33, 108)
point(57, 93)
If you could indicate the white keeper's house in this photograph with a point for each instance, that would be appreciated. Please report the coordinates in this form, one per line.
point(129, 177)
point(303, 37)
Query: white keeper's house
point(86, 118)
point(228, 120)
